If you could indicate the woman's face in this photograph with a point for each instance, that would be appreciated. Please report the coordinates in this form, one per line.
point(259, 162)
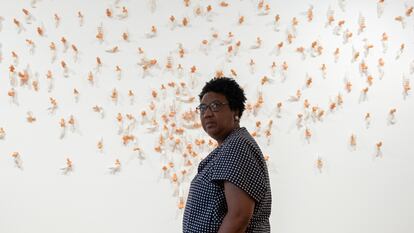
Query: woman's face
point(217, 119)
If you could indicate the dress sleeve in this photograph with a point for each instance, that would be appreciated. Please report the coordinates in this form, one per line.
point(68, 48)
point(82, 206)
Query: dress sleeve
point(239, 164)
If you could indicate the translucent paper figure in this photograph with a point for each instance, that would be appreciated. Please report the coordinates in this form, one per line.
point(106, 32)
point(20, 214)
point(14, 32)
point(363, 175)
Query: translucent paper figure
point(28, 17)
point(364, 95)
point(330, 18)
point(100, 34)
point(380, 8)
point(65, 44)
point(367, 120)
point(296, 97)
point(2, 133)
point(53, 105)
point(152, 4)
point(401, 19)
point(384, 42)
point(98, 66)
point(116, 168)
point(353, 142)
point(378, 151)
point(17, 160)
point(80, 18)
point(301, 50)
point(99, 110)
point(342, 4)
point(12, 76)
point(123, 14)
point(30, 118)
point(299, 120)
point(33, 3)
point(68, 168)
point(53, 52)
point(18, 25)
point(120, 122)
point(279, 110)
point(336, 55)
point(75, 53)
point(391, 120)
point(361, 23)
point(13, 96)
point(380, 67)
point(406, 87)
point(346, 36)
point(56, 18)
point(412, 67)
point(62, 125)
point(49, 79)
point(76, 95)
point(152, 33)
point(308, 135)
point(367, 47)
point(131, 97)
point(15, 58)
point(283, 71)
point(31, 45)
point(114, 96)
point(139, 154)
point(320, 164)
point(118, 72)
point(65, 69)
point(100, 145)
point(339, 28)
point(73, 124)
point(400, 51)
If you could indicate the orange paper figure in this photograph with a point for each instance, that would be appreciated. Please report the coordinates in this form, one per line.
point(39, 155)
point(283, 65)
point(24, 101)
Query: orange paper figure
point(100, 110)
point(391, 117)
point(400, 51)
point(54, 105)
point(68, 168)
point(116, 168)
point(30, 118)
point(380, 8)
point(320, 163)
point(330, 18)
point(353, 142)
point(378, 151)
point(62, 124)
point(367, 120)
point(53, 51)
point(56, 17)
point(13, 96)
point(17, 160)
point(2, 133)
point(18, 25)
point(80, 18)
point(406, 87)
point(384, 42)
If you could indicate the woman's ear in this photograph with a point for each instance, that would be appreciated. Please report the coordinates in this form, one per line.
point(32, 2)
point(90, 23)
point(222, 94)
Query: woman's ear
point(236, 116)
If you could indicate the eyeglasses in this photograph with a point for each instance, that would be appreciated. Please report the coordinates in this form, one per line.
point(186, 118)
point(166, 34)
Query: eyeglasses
point(214, 107)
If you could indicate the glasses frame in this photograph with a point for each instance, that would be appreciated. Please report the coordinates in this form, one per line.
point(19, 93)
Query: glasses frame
point(202, 108)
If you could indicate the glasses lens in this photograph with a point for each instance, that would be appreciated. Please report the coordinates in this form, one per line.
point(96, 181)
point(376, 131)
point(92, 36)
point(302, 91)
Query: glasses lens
point(215, 107)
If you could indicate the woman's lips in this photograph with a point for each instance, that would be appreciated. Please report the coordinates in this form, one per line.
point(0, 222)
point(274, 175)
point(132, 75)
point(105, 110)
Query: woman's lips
point(210, 124)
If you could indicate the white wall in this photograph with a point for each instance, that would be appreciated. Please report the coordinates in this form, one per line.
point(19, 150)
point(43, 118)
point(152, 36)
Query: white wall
point(355, 190)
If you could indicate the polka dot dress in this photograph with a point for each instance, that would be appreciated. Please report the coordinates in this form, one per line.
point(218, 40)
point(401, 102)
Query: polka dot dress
point(239, 161)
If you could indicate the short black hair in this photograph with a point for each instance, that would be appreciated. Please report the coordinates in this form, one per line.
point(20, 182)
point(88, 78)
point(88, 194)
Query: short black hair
point(230, 89)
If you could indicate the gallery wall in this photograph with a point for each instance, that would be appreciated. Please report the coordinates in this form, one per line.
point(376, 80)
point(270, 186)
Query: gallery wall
point(99, 133)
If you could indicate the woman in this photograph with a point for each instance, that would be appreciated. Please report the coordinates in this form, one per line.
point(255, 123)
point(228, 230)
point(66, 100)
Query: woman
point(231, 191)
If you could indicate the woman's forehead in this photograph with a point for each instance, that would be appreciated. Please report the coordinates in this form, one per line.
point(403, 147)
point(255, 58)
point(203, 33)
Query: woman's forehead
point(213, 96)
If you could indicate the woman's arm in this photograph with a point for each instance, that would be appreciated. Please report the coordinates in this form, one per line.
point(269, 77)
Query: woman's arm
point(240, 208)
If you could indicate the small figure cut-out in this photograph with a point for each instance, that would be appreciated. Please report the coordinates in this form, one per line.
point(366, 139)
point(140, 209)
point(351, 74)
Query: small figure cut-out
point(17, 160)
point(68, 168)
